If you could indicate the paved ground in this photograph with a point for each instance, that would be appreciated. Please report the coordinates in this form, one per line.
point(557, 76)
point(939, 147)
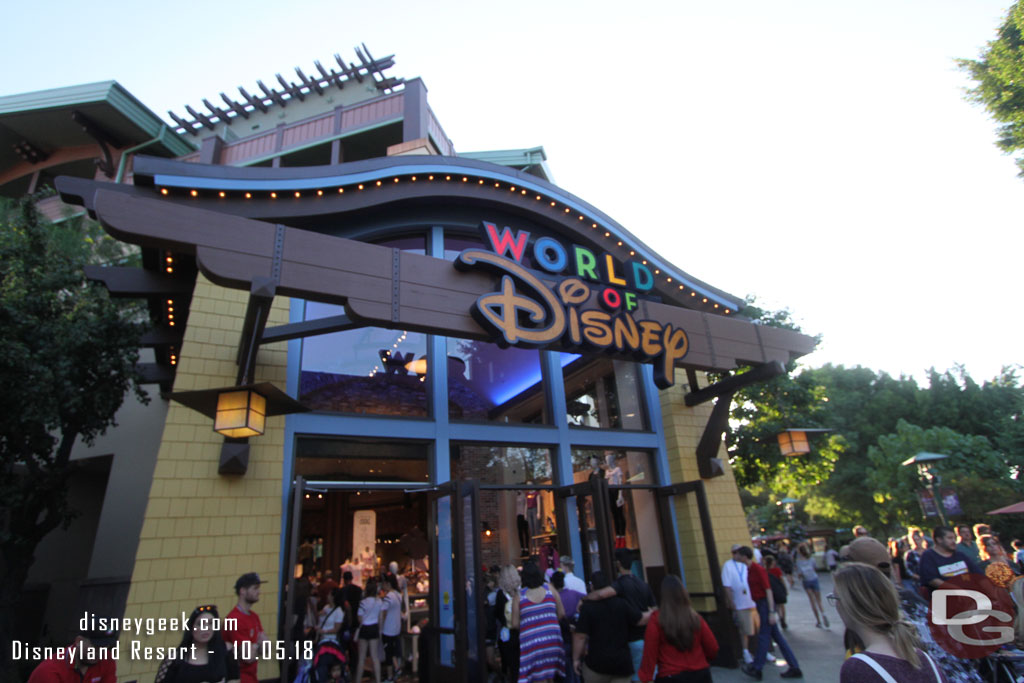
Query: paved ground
point(819, 651)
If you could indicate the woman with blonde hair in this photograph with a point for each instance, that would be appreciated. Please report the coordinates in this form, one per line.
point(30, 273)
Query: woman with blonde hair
point(868, 604)
point(508, 638)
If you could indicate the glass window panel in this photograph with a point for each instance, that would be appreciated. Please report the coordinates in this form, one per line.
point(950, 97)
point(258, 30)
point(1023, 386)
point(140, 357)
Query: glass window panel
point(370, 370)
point(602, 393)
point(497, 465)
point(619, 466)
point(489, 384)
point(326, 459)
point(456, 244)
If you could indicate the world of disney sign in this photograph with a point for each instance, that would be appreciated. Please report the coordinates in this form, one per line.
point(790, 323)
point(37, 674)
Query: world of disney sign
point(527, 311)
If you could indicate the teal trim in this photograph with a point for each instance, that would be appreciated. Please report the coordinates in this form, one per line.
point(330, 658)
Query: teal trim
point(111, 92)
point(56, 98)
point(509, 157)
point(437, 357)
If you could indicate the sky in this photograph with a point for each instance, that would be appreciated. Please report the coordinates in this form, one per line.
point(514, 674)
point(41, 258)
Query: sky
point(817, 155)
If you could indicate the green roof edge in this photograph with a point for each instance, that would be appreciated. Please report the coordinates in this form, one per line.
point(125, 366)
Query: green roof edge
point(111, 92)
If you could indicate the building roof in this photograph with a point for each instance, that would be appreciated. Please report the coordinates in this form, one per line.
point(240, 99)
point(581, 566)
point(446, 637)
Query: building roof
point(36, 125)
point(325, 87)
point(533, 160)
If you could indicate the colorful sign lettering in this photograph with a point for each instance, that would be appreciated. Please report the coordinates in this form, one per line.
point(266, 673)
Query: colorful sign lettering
point(527, 311)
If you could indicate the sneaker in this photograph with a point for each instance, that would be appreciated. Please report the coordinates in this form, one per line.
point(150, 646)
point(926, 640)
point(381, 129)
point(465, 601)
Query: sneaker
point(792, 672)
point(785, 627)
point(770, 657)
point(747, 657)
point(752, 672)
point(825, 617)
point(818, 624)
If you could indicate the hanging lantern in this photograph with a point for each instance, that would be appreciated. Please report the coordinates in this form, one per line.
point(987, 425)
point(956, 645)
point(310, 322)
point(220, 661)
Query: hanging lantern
point(792, 442)
point(240, 414)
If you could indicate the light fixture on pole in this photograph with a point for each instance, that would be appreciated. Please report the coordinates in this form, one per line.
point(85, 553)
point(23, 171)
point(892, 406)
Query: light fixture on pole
point(794, 441)
point(929, 477)
point(789, 505)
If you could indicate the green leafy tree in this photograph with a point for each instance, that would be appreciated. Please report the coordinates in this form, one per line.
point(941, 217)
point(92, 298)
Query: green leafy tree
point(977, 471)
point(999, 77)
point(67, 359)
point(763, 410)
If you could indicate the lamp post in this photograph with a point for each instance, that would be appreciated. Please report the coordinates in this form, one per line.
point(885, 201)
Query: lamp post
point(929, 477)
point(789, 505)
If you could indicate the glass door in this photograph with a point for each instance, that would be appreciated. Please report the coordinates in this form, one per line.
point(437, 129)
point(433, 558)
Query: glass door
point(287, 624)
point(456, 587)
point(593, 515)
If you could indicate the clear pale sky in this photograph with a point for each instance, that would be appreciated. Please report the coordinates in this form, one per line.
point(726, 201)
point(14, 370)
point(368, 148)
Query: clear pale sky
point(818, 155)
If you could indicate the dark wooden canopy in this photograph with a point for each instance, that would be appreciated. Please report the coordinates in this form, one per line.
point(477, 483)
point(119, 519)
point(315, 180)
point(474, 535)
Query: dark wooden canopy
point(379, 285)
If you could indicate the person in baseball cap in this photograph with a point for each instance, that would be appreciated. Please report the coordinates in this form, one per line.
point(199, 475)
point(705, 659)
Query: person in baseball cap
point(243, 624)
point(869, 551)
point(246, 580)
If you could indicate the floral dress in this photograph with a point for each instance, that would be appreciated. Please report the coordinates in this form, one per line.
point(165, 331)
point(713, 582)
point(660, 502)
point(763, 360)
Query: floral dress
point(541, 653)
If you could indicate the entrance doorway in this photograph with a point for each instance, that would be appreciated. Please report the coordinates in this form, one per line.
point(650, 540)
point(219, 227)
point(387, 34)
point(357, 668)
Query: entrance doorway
point(360, 505)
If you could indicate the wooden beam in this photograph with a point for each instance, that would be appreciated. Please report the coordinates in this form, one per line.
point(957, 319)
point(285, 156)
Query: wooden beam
point(187, 125)
point(291, 88)
point(734, 383)
point(312, 84)
point(200, 117)
point(308, 328)
point(135, 283)
point(378, 285)
point(272, 94)
point(256, 102)
point(331, 76)
point(235, 106)
point(215, 110)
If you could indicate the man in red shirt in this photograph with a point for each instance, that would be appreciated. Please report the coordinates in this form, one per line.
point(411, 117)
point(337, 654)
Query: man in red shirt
point(247, 629)
point(79, 663)
point(761, 592)
point(325, 588)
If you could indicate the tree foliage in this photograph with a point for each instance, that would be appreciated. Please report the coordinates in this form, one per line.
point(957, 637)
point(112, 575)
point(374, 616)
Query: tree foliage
point(849, 477)
point(999, 78)
point(67, 360)
point(762, 410)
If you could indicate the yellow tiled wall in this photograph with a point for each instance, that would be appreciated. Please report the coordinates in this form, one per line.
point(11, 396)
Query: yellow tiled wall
point(203, 530)
point(683, 429)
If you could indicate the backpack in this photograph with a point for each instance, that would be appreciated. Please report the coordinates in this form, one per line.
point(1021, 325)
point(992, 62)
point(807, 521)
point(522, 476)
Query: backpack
point(779, 590)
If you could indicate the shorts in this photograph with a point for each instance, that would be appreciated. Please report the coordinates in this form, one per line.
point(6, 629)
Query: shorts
point(369, 632)
point(744, 619)
point(392, 647)
point(812, 584)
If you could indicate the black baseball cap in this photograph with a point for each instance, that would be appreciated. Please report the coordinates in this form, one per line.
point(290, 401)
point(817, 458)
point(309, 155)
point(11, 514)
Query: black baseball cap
point(100, 637)
point(246, 580)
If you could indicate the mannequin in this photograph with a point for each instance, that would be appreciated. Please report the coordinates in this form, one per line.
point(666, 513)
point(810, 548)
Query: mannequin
point(533, 512)
point(522, 527)
point(616, 478)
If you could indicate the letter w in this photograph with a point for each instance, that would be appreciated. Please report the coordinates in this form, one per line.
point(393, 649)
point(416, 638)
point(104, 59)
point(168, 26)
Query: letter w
point(505, 242)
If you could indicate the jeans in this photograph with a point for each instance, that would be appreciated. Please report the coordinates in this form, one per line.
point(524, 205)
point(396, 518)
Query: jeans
point(765, 636)
point(636, 651)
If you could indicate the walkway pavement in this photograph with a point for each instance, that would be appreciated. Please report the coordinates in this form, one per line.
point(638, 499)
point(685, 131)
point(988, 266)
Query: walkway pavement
point(819, 651)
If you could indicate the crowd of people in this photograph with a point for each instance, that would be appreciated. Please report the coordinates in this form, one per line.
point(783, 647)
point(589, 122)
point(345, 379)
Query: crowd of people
point(552, 626)
point(546, 627)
